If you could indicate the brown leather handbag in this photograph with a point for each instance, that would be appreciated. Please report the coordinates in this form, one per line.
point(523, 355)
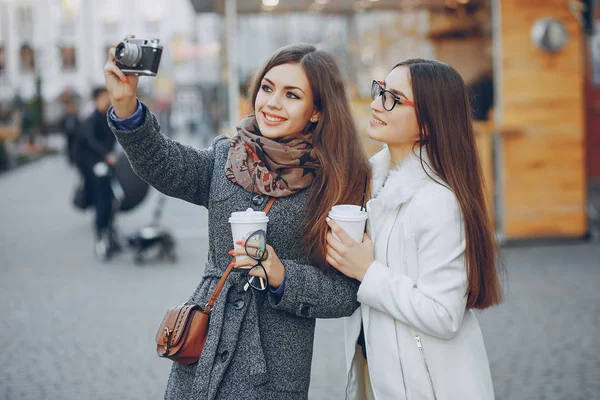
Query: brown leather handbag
point(184, 329)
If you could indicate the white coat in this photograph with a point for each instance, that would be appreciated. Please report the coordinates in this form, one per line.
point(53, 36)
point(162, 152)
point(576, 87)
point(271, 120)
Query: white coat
point(421, 341)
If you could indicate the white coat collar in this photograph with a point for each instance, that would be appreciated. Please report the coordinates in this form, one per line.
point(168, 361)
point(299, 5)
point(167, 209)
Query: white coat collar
point(403, 181)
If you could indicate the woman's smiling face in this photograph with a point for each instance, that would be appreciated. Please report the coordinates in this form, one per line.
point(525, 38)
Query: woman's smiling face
point(398, 126)
point(284, 104)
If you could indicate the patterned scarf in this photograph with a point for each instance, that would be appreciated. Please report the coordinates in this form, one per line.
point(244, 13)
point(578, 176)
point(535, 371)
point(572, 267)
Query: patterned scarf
point(282, 166)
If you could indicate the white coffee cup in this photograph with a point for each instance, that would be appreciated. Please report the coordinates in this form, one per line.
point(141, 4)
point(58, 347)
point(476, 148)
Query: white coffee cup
point(351, 219)
point(244, 223)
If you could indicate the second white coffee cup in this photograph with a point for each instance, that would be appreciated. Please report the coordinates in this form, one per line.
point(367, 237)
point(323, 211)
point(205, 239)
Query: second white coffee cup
point(244, 223)
point(351, 219)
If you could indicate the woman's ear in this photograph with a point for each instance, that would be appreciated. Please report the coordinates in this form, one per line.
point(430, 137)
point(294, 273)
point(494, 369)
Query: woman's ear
point(315, 117)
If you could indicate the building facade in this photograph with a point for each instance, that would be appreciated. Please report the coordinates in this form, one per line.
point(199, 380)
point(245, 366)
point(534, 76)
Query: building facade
point(65, 44)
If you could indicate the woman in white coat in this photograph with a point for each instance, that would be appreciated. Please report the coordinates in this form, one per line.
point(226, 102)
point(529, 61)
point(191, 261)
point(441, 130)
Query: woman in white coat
point(429, 256)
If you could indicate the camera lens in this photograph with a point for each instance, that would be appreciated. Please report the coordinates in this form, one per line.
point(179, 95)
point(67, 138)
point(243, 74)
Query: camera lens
point(128, 54)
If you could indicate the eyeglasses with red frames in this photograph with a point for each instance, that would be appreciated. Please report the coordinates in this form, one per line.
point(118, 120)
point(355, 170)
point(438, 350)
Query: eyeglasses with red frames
point(388, 99)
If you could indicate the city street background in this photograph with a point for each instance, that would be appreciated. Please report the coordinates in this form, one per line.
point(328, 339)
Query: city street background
point(76, 328)
point(72, 327)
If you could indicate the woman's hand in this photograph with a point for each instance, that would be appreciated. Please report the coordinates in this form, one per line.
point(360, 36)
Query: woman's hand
point(111, 159)
point(272, 265)
point(350, 258)
point(121, 89)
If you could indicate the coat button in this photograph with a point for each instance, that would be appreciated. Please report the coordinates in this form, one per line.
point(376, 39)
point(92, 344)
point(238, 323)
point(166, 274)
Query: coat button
point(224, 356)
point(305, 310)
point(239, 304)
point(258, 200)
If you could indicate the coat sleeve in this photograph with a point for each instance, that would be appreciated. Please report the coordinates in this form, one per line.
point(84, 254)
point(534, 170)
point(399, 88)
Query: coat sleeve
point(169, 166)
point(435, 303)
point(314, 292)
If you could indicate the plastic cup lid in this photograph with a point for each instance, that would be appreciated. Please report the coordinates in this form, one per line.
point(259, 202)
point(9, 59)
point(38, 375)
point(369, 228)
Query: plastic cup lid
point(348, 212)
point(248, 216)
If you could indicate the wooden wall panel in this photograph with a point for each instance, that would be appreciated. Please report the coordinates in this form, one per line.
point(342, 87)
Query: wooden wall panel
point(542, 121)
point(544, 177)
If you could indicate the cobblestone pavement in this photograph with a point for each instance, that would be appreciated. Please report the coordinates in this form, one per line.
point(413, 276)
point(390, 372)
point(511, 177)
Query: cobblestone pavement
point(75, 328)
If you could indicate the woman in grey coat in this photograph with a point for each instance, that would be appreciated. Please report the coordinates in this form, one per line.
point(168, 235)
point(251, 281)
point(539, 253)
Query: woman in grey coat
point(301, 147)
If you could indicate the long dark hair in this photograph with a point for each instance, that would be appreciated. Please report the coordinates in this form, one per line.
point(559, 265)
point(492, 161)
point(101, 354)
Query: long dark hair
point(446, 132)
point(344, 164)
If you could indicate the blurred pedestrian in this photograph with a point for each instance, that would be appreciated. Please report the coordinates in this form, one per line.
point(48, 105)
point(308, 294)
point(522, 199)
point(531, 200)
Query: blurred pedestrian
point(71, 128)
point(301, 146)
point(97, 148)
point(433, 258)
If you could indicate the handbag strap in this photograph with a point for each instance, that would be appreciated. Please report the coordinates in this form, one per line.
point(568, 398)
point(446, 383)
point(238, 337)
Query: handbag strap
point(211, 302)
point(269, 204)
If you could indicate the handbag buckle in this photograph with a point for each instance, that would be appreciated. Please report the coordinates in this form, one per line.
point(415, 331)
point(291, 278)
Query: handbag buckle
point(168, 333)
point(208, 307)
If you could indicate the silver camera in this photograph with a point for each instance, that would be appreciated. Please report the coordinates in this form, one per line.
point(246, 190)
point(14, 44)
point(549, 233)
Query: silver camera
point(140, 57)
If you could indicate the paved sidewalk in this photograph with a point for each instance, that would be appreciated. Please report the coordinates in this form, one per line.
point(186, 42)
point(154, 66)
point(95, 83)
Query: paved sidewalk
point(543, 342)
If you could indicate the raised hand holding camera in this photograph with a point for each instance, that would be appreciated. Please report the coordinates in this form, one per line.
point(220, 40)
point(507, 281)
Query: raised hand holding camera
point(122, 89)
point(127, 61)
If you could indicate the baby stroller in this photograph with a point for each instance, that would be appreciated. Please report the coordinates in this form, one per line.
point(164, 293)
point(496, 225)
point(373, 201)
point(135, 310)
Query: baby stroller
point(153, 238)
point(128, 192)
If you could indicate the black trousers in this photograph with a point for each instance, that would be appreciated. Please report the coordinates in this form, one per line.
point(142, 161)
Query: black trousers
point(103, 199)
point(88, 185)
point(71, 149)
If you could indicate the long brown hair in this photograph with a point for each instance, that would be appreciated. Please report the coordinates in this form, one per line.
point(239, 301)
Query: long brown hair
point(344, 164)
point(444, 117)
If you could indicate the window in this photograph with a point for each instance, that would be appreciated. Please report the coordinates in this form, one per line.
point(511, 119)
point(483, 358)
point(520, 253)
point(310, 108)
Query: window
point(68, 58)
point(27, 58)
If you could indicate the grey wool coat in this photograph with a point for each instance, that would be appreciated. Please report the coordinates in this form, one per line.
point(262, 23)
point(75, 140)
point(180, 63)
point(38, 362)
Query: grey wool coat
point(259, 346)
